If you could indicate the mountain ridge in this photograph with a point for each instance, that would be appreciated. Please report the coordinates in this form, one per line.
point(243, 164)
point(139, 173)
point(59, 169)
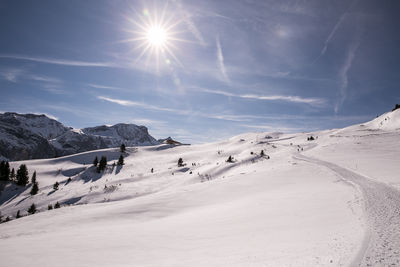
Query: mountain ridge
point(33, 136)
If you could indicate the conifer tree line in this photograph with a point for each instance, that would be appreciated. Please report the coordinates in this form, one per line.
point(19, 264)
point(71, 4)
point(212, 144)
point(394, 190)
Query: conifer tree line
point(31, 210)
point(21, 177)
point(101, 164)
point(35, 184)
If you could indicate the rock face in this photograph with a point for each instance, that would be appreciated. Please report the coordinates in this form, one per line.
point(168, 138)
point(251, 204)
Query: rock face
point(129, 134)
point(30, 136)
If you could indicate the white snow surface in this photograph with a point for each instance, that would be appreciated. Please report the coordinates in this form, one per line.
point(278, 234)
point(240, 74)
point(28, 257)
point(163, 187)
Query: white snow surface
point(334, 201)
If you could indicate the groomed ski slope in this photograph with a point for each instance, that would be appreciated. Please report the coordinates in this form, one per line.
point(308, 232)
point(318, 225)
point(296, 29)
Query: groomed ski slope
point(382, 206)
point(325, 205)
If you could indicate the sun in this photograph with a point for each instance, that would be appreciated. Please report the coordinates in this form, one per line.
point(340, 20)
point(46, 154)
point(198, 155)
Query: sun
point(157, 36)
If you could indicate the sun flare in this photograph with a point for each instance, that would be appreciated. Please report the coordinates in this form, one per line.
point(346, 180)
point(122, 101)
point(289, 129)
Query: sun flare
point(155, 35)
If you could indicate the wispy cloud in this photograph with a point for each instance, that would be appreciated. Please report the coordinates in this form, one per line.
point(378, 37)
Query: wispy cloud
point(114, 88)
point(55, 61)
point(332, 33)
point(54, 89)
point(334, 30)
point(220, 61)
point(139, 104)
point(226, 117)
point(343, 75)
point(49, 84)
point(294, 99)
point(16, 75)
point(187, 18)
point(119, 101)
point(47, 79)
point(11, 75)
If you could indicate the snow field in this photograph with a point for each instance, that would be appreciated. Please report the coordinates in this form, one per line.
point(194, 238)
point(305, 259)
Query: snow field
point(333, 201)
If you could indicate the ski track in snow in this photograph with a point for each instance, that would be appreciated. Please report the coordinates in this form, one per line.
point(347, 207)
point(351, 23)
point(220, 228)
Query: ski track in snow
point(382, 210)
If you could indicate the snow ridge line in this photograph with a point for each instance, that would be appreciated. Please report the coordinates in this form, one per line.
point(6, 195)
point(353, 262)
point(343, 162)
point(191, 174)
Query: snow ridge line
point(382, 209)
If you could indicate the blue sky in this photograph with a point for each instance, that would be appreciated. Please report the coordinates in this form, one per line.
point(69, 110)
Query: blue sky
point(228, 67)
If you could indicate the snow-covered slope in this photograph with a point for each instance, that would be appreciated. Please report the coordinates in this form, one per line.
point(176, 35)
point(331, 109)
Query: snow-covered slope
point(31, 136)
point(387, 121)
point(210, 212)
point(333, 201)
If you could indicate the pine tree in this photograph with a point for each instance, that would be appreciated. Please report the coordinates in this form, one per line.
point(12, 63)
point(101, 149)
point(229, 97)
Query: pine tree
point(50, 207)
point(33, 179)
point(32, 209)
point(2, 164)
point(262, 154)
point(55, 186)
point(57, 205)
point(22, 175)
point(7, 171)
point(230, 159)
point(4, 171)
point(12, 174)
point(180, 162)
point(121, 160)
point(123, 148)
point(35, 189)
point(95, 161)
point(18, 214)
point(102, 164)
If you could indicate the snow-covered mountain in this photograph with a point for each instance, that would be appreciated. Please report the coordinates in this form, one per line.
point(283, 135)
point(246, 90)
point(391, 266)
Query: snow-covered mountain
point(129, 134)
point(31, 136)
point(38, 124)
point(25, 136)
point(76, 141)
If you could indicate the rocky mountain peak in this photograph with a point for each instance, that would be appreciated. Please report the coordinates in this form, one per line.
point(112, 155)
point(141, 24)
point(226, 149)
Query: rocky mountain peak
point(29, 136)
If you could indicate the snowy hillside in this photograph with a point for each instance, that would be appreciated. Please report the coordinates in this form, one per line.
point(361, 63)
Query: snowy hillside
point(31, 136)
point(331, 201)
point(388, 121)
